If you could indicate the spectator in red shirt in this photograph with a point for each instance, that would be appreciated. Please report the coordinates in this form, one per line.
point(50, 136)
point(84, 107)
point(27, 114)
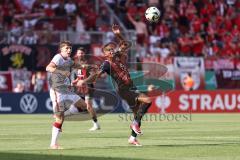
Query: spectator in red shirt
point(161, 29)
point(227, 38)
point(91, 19)
point(237, 53)
point(205, 14)
point(196, 23)
point(235, 32)
point(228, 23)
point(185, 45)
point(211, 30)
point(197, 44)
point(219, 19)
point(228, 50)
point(132, 9)
point(237, 20)
point(191, 10)
point(182, 7)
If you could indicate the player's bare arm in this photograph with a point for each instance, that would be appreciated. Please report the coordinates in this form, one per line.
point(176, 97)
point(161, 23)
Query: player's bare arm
point(116, 30)
point(91, 78)
point(52, 68)
point(92, 70)
point(124, 45)
point(86, 66)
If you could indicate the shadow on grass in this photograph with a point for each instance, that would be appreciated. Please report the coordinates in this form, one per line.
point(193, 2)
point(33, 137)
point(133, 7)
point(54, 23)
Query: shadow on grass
point(215, 141)
point(196, 145)
point(58, 156)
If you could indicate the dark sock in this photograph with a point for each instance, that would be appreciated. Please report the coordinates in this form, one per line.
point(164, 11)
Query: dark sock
point(94, 119)
point(134, 134)
point(143, 108)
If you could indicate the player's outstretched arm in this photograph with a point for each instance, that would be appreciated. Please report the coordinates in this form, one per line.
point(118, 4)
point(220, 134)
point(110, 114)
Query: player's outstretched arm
point(86, 66)
point(91, 78)
point(116, 30)
point(124, 45)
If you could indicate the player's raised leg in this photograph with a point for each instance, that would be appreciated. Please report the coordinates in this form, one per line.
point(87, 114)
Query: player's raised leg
point(79, 105)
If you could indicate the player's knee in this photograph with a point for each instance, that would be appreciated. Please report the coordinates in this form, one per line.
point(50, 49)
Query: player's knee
point(81, 104)
point(144, 99)
point(89, 107)
point(88, 102)
point(84, 106)
point(148, 100)
point(59, 118)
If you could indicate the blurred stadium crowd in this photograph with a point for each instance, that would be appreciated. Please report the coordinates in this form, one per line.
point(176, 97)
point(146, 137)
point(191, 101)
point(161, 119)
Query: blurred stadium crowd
point(199, 28)
point(187, 27)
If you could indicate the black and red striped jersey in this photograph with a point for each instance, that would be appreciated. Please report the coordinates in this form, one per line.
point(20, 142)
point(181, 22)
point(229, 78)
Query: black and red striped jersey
point(118, 71)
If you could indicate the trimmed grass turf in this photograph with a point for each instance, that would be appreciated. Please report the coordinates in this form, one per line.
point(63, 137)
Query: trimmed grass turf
point(204, 137)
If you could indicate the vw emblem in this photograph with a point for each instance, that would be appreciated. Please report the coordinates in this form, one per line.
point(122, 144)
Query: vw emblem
point(28, 103)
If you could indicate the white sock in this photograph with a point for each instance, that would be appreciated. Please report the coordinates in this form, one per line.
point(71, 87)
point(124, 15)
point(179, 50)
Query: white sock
point(96, 124)
point(135, 122)
point(132, 138)
point(72, 110)
point(55, 135)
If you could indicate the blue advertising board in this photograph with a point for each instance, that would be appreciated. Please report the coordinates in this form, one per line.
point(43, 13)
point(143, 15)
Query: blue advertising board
point(28, 103)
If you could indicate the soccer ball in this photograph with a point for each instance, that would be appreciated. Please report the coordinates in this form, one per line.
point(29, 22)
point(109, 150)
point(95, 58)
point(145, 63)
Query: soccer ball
point(152, 14)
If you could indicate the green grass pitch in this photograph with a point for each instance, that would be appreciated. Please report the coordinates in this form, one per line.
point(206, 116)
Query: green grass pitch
point(199, 137)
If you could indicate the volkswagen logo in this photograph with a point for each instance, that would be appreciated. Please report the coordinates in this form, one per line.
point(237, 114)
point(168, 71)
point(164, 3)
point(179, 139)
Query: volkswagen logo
point(28, 103)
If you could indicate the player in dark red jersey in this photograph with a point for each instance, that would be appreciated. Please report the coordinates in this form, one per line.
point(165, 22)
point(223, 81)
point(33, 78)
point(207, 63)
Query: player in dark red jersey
point(85, 90)
point(115, 66)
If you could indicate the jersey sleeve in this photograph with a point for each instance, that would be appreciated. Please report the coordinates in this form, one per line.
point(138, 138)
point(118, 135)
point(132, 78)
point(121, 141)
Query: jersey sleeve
point(56, 60)
point(105, 67)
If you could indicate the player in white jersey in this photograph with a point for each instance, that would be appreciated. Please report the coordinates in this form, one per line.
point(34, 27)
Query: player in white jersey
point(63, 99)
